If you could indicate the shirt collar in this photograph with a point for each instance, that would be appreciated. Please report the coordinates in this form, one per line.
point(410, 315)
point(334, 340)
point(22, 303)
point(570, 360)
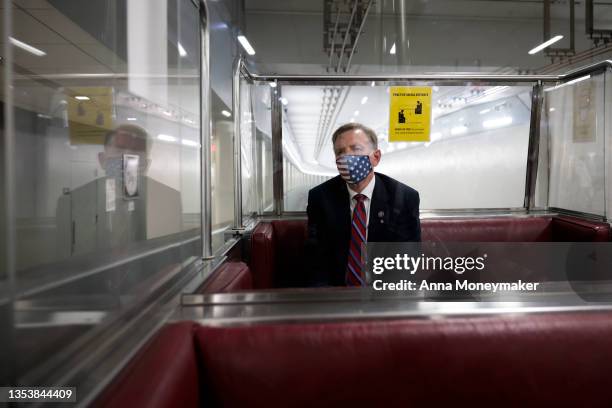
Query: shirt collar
point(367, 191)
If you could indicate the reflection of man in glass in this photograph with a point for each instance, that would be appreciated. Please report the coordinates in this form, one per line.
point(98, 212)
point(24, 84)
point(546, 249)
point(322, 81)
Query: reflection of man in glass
point(123, 207)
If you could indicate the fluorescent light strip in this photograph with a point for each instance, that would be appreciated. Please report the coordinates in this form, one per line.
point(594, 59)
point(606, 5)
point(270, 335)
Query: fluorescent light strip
point(27, 47)
point(190, 143)
point(226, 113)
point(166, 138)
point(246, 45)
point(573, 81)
point(498, 122)
point(458, 130)
point(181, 50)
point(545, 44)
point(82, 98)
point(364, 100)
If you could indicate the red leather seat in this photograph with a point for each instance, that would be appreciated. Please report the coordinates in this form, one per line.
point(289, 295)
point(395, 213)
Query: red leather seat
point(277, 246)
point(163, 374)
point(229, 277)
point(539, 360)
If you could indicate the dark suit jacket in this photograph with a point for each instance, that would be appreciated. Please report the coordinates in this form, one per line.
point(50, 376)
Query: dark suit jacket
point(394, 217)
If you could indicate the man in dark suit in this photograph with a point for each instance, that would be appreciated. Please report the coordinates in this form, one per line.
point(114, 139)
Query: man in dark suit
point(356, 207)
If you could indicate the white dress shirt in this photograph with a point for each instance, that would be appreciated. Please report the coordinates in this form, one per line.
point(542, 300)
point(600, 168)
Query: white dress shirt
point(367, 192)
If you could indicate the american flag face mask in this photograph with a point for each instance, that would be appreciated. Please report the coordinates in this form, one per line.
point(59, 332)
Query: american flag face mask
point(354, 168)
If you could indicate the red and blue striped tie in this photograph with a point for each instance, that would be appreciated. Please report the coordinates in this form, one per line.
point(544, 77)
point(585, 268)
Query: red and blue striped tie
point(355, 275)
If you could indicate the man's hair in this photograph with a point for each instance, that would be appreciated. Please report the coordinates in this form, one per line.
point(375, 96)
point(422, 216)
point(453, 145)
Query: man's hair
point(138, 141)
point(356, 126)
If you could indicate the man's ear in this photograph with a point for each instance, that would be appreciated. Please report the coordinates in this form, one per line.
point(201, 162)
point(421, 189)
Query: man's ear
point(375, 157)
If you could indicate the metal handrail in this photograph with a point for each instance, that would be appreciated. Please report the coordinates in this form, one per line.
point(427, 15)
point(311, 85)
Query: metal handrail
point(437, 77)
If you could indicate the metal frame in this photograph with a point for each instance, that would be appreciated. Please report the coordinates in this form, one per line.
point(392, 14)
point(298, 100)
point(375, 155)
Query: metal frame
point(533, 148)
point(205, 134)
point(277, 149)
point(237, 139)
point(430, 79)
point(559, 52)
point(8, 374)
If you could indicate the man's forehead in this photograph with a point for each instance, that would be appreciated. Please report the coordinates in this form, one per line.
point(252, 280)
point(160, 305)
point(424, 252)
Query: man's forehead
point(352, 137)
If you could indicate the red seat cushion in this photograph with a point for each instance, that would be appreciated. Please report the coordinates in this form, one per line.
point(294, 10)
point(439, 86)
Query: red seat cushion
point(229, 277)
point(535, 360)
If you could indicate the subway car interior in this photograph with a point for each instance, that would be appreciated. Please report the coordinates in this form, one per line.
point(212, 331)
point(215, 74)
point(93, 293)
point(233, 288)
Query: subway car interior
point(175, 206)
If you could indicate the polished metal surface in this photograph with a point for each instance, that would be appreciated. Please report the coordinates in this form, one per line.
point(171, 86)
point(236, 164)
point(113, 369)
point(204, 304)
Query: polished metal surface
point(323, 304)
point(434, 77)
point(534, 145)
point(205, 135)
point(237, 145)
point(277, 149)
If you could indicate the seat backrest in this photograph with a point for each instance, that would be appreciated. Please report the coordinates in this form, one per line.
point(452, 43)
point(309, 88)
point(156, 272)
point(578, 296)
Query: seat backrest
point(263, 254)
point(572, 229)
point(229, 277)
point(289, 239)
point(163, 374)
point(495, 229)
point(549, 359)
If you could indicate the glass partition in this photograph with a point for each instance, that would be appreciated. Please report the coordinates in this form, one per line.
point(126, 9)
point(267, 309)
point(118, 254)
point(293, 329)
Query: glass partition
point(107, 135)
point(575, 115)
point(476, 156)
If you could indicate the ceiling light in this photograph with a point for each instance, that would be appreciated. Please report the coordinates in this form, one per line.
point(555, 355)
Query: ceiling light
point(545, 44)
point(131, 119)
point(166, 138)
point(356, 113)
point(181, 50)
point(27, 47)
point(352, 120)
point(482, 112)
point(284, 101)
point(190, 143)
point(273, 84)
point(392, 50)
point(372, 84)
point(364, 100)
point(226, 113)
point(551, 110)
point(82, 98)
point(246, 45)
point(458, 130)
point(573, 81)
point(498, 122)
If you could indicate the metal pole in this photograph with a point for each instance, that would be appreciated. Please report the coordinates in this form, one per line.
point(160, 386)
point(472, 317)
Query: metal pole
point(534, 146)
point(237, 146)
point(277, 149)
point(8, 372)
point(205, 133)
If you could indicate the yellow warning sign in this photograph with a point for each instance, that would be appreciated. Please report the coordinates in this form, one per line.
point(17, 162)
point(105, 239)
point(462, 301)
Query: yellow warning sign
point(90, 112)
point(409, 114)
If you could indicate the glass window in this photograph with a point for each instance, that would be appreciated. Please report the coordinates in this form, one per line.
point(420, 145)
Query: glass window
point(575, 113)
point(107, 136)
point(476, 156)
